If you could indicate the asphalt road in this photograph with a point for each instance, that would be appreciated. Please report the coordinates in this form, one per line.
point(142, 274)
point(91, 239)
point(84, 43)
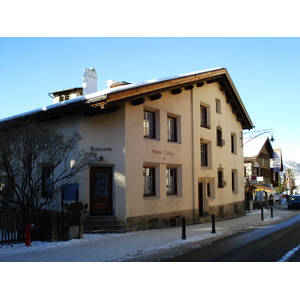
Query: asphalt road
point(268, 244)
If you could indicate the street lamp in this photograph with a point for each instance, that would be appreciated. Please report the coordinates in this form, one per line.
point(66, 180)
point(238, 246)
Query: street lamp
point(257, 133)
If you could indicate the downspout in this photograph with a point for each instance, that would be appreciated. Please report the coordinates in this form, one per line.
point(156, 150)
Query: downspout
point(193, 155)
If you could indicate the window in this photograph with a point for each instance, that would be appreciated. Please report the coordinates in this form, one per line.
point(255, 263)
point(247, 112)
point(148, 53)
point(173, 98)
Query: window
point(234, 185)
point(204, 160)
point(171, 181)
point(47, 181)
point(218, 106)
point(233, 143)
point(148, 124)
point(208, 189)
point(220, 141)
point(204, 116)
point(149, 182)
point(171, 125)
point(221, 181)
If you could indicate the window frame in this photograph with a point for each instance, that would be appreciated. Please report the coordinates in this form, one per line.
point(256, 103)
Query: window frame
point(204, 119)
point(171, 129)
point(149, 183)
point(220, 141)
point(203, 154)
point(47, 187)
point(218, 106)
point(171, 187)
point(150, 124)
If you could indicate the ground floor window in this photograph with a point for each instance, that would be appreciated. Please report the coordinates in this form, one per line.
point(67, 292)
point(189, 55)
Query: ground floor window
point(149, 181)
point(171, 181)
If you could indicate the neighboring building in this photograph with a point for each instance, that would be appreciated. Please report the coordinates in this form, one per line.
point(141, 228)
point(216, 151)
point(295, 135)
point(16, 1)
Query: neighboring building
point(262, 165)
point(167, 148)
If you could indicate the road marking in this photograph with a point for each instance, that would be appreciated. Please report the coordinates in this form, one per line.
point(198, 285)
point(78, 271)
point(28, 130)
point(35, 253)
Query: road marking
point(288, 255)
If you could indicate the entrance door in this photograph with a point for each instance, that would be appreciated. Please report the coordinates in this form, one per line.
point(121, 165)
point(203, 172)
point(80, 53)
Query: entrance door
point(101, 191)
point(200, 199)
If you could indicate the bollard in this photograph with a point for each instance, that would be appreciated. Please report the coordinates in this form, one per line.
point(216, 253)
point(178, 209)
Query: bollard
point(262, 213)
point(271, 211)
point(28, 229)
point(183, 237)
point(213, 224)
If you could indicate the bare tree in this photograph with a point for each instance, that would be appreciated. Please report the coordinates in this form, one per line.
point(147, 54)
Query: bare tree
point(35, 162)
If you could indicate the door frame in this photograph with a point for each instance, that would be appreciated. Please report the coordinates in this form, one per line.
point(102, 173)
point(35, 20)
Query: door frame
point(94, 212)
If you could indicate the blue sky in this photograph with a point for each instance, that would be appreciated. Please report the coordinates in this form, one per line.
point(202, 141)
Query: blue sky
point(265, 71)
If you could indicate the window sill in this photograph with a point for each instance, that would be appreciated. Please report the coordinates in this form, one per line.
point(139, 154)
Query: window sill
point(150, 198)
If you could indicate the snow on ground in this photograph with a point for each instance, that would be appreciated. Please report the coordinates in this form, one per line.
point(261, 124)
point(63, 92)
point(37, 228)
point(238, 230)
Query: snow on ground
point(132, 246)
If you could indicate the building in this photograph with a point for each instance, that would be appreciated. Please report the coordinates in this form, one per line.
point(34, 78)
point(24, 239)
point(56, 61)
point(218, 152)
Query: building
point(167, 148)
point(262, 165)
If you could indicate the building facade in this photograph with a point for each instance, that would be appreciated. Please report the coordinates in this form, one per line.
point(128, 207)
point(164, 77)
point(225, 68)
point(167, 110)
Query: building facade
point(166, 148)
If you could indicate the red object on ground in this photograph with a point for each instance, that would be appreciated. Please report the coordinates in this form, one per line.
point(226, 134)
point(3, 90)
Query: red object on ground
point(29, 227)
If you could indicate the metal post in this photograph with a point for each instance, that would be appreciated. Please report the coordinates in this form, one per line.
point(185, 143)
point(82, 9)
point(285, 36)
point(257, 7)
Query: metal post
point(213, 224)
point(262, 213)
point(183, 237)
point(271, 211)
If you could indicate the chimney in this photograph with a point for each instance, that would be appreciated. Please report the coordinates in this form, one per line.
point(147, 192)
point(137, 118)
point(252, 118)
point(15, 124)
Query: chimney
point(89, 81)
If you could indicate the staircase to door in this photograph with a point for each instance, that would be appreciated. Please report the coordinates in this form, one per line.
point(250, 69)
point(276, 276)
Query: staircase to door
point(106, 224)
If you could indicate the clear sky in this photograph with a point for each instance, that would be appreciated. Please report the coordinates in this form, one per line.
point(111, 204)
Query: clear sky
point(265, 71)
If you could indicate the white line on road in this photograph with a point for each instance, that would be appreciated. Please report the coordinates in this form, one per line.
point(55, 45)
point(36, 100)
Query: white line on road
point(288, 255)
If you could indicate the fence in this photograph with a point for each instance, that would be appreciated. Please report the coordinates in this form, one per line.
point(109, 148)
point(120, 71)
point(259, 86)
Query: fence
point(49, 226)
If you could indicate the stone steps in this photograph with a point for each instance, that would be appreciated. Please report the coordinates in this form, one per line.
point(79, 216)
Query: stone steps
point(106, 224)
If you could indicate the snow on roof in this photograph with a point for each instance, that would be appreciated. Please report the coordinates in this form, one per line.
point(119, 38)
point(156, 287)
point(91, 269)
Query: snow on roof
point(102, 93)
point(252, 147)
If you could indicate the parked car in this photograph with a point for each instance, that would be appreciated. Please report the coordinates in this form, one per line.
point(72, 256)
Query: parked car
point(294, 201)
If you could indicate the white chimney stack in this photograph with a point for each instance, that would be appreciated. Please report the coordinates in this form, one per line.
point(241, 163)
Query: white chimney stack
point(90, 81)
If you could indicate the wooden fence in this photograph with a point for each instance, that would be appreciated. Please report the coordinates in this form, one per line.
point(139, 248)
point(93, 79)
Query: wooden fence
point(49, 226)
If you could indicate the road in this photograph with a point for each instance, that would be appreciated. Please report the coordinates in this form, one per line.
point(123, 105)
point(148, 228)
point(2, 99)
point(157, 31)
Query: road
point(268, 244)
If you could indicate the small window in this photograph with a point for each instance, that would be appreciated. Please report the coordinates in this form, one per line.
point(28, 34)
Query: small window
point(218, 106)
point(204, 116)
point(204, 154)
point(171, 127)
point(148, 124)
point(47, 181)
point(233, 143)
point(171, 181)
point(221, 181)
point(208, 189)
point(149, 181)
point(220, 141)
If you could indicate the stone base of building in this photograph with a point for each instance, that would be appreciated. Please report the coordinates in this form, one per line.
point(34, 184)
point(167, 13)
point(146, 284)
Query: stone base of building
point(154, 221)
point(228, 211)
point(172, 219)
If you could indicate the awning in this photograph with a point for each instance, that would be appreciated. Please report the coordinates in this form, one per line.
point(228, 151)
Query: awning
point(265, 188)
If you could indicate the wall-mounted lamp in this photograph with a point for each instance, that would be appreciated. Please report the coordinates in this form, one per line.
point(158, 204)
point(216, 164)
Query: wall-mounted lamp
point(101, 158)
point(255, 134)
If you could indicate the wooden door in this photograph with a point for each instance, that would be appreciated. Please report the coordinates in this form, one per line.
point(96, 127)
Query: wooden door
point(200, 199)
point(101, 191)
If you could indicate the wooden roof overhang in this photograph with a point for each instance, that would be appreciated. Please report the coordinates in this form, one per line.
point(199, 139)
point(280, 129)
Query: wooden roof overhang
point(136, 93)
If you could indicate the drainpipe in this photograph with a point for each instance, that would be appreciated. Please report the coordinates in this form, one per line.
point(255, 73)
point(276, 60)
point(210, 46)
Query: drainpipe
point(193, 155)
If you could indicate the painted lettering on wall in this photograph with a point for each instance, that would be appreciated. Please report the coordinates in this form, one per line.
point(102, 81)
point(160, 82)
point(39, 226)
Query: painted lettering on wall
point(101, 149)
point(165, 152)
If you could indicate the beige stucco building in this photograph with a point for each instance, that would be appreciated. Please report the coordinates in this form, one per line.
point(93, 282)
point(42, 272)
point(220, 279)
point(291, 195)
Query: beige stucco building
point(166, 148)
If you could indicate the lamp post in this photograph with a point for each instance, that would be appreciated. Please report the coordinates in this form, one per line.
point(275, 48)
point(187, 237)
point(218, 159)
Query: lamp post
point(257, 133)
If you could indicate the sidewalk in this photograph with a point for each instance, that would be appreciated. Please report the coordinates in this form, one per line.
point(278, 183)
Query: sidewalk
point(148, 245)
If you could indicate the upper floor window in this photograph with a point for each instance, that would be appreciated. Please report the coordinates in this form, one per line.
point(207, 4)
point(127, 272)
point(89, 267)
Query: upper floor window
point(220, 141)
point(171, 127)
point(233, 143)
point(204, 116)
point(148, 125)
point(204, 155)
point(218, 106)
